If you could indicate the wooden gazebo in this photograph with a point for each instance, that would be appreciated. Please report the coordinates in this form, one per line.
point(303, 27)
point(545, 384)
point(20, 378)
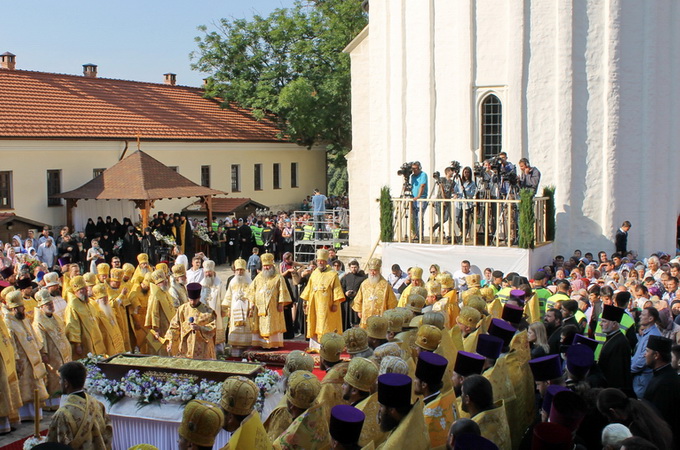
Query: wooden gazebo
point(141, 179)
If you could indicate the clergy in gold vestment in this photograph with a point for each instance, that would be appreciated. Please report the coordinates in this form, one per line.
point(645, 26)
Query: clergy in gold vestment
point(269, 293)
point(359, 390)
point(82, 329)
point(29, 365)
point(25, 285)
point(237, 308)
point(159, 313)
point(477, 400)
point(375, 294)
point(56, 350)
point(139, 295)
point(323, 295)
point(239, 395)
point(403, 420)
point(10, 401)
point(120, 302)
point(81, 421)
point(113, 340)
point(439, 404)
point(192, 330)
point(415, 275)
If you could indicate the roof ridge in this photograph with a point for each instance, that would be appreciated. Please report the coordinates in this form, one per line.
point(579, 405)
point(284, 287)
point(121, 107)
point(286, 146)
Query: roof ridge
point(95, 79)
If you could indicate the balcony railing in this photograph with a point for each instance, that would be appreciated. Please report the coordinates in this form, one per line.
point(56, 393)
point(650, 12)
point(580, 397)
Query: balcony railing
point(483, 222)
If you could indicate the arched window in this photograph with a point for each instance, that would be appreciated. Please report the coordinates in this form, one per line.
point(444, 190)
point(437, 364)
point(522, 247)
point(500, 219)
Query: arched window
point(492, 126)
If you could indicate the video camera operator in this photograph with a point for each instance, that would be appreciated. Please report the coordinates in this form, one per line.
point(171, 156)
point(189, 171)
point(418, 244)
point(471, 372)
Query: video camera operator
point(466, 188)
point(529, 176)
point(419, 191)
point(444, 191)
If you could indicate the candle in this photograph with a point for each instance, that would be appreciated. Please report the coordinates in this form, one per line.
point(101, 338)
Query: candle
point(36, 406)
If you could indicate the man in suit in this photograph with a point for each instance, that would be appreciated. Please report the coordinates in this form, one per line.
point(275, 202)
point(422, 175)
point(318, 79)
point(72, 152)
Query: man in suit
point(663, 390)
point(621, 240)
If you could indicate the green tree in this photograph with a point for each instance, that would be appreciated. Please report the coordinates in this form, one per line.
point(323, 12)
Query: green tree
point(290, 64)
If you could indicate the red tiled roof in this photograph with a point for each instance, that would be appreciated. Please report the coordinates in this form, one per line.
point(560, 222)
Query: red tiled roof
point(47, 105)
point(138, 177)
point(224, 205)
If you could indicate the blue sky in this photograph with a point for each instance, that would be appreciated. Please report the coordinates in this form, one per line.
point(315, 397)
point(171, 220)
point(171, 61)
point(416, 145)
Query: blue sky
point(133, 40)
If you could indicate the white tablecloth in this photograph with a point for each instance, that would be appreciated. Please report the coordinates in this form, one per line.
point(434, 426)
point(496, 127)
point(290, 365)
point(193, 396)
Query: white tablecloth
point(155, 424)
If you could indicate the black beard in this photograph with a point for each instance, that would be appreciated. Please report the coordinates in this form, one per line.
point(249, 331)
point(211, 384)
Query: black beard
point(387, 423)
point(549, 327)
point(20, 315)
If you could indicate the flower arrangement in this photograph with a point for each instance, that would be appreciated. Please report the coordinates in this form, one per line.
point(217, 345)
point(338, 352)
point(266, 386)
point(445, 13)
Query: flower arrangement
point(202, 232)
point(148, 389)
point(33, 441)
point(167, 240)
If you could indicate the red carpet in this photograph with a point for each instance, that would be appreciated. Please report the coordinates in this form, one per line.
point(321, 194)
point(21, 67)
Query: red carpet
point(19, 445)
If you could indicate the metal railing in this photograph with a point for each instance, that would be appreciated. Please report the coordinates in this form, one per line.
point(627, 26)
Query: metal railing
point(482, 222)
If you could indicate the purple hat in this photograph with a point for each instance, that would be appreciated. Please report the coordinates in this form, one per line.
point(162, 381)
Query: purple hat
point(469, 441)
point(546, 367)
point(64, 260)
point(502, 329)
point(552, 390)
point(468, 364)
point(512, 313)
point(580, 358)
point(394, 390)
point(551, 436)
point(518, 293)
point(489, 346)
point(613, 313)
point(194, 291)
point(581, 339)
point(346, 423)
point(568, 409)
point(430, 367)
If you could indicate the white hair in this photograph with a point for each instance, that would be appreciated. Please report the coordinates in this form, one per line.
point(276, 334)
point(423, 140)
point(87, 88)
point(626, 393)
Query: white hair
point(615, 433)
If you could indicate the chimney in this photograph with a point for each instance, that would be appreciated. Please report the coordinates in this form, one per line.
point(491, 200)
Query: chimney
point(8, 61)
point(170, 78)
point(90, 70)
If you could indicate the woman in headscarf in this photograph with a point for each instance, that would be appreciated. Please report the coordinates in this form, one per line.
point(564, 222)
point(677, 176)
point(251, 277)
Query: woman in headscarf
point(90, 229)
point(17, 244)
point(101, 226)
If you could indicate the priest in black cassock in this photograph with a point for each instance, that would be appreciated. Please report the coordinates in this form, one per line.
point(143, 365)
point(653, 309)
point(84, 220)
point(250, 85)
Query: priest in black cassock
point(663, 391)
point(615, 356)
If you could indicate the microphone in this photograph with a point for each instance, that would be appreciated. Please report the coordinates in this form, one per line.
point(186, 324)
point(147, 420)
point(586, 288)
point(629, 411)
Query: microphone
point(191, 320)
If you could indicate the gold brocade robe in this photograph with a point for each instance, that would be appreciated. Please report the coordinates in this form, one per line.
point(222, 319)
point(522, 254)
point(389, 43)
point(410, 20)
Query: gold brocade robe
point(330, 394)
point(10, 400)
point(251, 435)
point(373, 299)
point(81, 423)
point(532, 310)
point(495, 308)
point(159, 313)
point(371, 431)
point(51, 331)
point(29, 366)
point(439, 414)
point(199, 344)
point(29, 305)
point(267, 294)
point(448, 305)
point(517, 365)
point(448, 350)
point(120, 303)
point(411, 433)
point(278, 421)
point(500, 381)
point(139, 297)
point(470, 341)
point(178, 293)
point(403, 298)
point(493, 424)
point(82, 327)
point(323, 291)
point(113, 340)
point(309, 431)
point(237, 307)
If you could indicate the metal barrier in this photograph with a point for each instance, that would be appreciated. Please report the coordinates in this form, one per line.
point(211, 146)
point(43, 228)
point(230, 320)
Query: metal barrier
point(483, 222)
point(318, 232)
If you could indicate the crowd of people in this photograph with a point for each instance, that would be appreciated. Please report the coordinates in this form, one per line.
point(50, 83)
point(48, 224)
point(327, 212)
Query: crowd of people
point(582, 354)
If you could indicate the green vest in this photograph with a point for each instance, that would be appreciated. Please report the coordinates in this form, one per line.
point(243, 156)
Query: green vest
point(543, 295)
point(309, 232)
point(504, 294)
point(257, 234)
point(580, 316)
point(559, 297)
point(600, 336)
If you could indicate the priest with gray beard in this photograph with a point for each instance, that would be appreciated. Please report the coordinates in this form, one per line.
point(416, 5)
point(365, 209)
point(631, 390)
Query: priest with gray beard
point(178, 281)
point(238, 308)
point(269, 293)
point(210, 295)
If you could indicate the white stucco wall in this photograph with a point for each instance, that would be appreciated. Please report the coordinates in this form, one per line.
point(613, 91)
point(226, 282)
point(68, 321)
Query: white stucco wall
point(29, 159)
point(588, 92)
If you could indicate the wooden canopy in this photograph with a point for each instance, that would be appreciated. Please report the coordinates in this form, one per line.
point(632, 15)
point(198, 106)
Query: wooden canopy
point(141, 179)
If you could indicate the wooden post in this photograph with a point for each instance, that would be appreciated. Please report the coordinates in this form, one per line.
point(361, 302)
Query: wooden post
point(70, 204)
point(209, 210)
point(144, 208)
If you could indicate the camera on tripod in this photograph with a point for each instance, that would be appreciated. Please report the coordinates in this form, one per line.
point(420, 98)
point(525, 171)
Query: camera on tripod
point(455, 167)
point(405, 170)
point(478, 170)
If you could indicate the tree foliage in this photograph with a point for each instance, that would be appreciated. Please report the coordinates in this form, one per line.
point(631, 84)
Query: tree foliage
point(526, 219)
point(289, 63)
point(386, 215)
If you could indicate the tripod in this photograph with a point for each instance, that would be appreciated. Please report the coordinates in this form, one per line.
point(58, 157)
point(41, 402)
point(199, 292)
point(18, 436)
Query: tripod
point(504, 232)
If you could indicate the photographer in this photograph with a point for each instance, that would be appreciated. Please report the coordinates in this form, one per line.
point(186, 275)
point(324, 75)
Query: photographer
point(419, 191)
point(529, 176)
point(465, 188)
point(506, 171)
point(444, 191)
